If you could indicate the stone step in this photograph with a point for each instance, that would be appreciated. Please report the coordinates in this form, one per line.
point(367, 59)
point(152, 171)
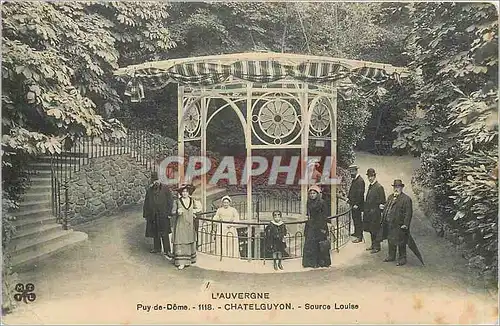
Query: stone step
point(40, 187)
point(22, 214)
point(33, 204)
point(41, 181)
point(38, 194)
point(29, 259)
point(65, 156)
point(25, 234)
point(31, 244)
point(27, 223)
point(41, 174)
point(47, 166)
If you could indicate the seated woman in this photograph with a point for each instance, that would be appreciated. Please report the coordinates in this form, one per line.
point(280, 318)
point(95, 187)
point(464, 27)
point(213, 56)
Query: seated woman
point(226, 231)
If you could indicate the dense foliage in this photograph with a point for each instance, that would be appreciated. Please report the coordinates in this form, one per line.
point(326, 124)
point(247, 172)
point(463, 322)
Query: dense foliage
point(315, 28)
point(453, 127)
point(58, 60)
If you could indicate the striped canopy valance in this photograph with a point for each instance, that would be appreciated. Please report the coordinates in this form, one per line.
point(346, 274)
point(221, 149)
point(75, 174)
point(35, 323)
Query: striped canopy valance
point(208, 73)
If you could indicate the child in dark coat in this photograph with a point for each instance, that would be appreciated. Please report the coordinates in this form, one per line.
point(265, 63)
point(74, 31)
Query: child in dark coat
point(275, 238)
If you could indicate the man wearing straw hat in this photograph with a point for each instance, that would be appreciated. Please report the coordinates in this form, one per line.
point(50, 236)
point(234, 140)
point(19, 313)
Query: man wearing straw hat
point(356, 199)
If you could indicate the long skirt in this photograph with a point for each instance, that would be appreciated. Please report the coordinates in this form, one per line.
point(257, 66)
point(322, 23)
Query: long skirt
point(184, 254)
point(313, 256)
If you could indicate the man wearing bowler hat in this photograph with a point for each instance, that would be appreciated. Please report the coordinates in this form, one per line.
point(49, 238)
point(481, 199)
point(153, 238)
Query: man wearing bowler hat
point(356, 198)
point(397, 215)
point(372, 214)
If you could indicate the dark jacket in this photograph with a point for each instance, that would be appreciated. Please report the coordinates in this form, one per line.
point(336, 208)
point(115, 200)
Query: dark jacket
point(316, 231)
point(317, 210)
point(356, 194)
point(157, 209)
point(397, 212)
point(372, 213)
point(275, 237)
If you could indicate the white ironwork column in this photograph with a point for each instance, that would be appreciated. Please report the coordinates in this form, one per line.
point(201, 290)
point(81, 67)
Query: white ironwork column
point(180, 132)
point(248, 144)
point(333, 151)
point(203, 117)
point(304, 148)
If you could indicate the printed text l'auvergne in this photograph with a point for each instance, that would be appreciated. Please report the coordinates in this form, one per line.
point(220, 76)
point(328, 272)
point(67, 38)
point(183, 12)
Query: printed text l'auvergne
point(240, 295)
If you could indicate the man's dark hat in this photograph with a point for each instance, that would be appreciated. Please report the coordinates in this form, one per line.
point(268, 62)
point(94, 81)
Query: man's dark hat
point(398, 183)
point(370, 172)
point(190, 188)
point(154, 176)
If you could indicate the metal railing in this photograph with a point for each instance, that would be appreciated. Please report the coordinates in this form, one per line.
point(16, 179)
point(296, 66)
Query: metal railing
point(288, 203)
point(246, 239)
point(147, 148)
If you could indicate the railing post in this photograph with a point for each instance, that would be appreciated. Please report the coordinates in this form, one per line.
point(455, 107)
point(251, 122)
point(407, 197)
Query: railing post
point(258, 209)
point(337, 233)
point(349, 222)
point(256, 245)
point(65, 219)
point(249, 242)
point(53, 184)
point(220, 239)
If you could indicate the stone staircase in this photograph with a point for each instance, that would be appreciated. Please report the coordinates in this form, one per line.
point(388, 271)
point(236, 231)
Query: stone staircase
point(38, 235)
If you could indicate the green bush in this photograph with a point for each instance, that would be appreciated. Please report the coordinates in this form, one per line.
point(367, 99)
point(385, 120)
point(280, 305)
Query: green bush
point(453, 125)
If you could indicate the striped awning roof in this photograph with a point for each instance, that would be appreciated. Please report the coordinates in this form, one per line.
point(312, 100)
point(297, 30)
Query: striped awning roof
point(212, 72)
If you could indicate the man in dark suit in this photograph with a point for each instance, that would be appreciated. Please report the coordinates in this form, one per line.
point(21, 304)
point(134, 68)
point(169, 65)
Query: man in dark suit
point(157, 210)
point(397, 215)
point(356, 198)
point(372, 214)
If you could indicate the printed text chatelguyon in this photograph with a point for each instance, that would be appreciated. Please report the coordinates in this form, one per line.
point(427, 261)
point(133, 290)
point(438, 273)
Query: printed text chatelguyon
point(244, 301)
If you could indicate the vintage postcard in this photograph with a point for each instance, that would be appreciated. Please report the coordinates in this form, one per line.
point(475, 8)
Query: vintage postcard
point(249, 162)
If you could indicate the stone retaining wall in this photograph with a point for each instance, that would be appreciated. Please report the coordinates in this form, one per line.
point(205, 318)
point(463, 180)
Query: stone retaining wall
point(105, 184)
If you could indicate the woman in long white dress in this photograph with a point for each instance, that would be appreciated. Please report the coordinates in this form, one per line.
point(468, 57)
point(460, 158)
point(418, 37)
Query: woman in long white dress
point(228, 232)
point(184, 237)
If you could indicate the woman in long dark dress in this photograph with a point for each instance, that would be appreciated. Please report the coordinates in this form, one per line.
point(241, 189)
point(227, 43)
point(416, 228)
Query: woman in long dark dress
point(316, 230)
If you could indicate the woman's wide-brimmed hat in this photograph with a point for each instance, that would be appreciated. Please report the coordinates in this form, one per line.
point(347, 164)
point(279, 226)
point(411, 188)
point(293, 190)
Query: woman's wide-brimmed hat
point(398, 183)
point(226, 197)
point(314, 188)
point(190, 188)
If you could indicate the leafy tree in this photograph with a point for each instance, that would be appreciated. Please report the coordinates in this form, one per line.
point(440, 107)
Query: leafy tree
point(58, 66)
point(58, 61)
point(453, 127)
point(228, 27)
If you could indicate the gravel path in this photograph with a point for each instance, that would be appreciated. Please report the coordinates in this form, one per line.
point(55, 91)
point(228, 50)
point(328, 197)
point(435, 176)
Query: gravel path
point(104, 280)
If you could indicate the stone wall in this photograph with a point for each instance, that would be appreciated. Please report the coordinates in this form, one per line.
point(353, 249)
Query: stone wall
point(105, 184)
